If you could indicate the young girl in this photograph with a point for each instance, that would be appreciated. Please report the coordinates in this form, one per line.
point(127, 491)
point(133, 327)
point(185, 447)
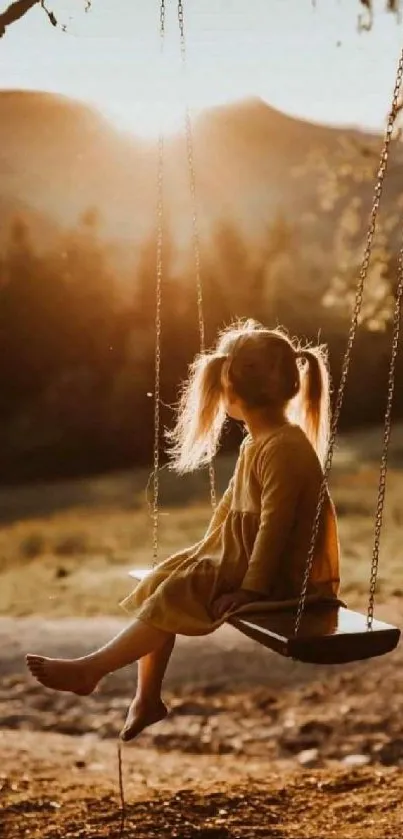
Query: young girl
point(256, 546)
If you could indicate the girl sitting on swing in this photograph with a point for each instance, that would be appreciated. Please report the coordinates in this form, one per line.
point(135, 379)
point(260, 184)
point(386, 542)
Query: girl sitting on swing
point(256, 545)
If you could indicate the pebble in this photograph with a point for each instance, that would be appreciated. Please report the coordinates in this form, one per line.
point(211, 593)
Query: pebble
point(356, 760)
point(308, 757)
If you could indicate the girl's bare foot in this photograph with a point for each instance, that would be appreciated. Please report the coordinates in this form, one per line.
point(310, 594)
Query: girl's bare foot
point(140, 716)
point(72, 675)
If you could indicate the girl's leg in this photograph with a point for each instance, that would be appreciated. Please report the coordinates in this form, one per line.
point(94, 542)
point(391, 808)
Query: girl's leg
point(81, 675)
point(147, 706)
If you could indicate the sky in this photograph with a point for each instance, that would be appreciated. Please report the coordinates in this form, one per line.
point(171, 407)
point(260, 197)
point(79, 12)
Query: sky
point(303, 57)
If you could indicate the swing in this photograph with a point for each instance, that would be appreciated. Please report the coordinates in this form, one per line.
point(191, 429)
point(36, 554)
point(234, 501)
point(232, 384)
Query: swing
point(319, 633)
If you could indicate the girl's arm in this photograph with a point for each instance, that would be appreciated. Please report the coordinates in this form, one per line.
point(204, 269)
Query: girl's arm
point(279, 472)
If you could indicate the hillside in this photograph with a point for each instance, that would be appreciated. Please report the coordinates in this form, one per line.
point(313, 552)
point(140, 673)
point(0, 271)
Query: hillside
point(60, 156)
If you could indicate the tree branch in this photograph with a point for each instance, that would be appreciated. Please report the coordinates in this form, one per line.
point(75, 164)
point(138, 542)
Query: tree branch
point(19, 9)
point(14, 12)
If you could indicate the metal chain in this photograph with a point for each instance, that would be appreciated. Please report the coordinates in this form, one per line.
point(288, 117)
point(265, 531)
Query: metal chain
point(386, 439)
point(158, 321)
point(195, 223)
point(350, 342)
point(162, 24)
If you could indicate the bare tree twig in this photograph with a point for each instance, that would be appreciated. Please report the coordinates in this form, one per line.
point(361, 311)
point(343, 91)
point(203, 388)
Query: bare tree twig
point(390, 5)
point(365, 22)
point(50, 14)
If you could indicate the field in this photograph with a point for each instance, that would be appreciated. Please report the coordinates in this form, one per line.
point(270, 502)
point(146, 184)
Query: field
point(255, 746)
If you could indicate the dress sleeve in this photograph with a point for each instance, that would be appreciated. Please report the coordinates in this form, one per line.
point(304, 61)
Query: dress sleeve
point(279, 474)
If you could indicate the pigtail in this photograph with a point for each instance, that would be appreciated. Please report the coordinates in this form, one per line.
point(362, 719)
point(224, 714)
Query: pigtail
point(314, 398)
point(200, 417)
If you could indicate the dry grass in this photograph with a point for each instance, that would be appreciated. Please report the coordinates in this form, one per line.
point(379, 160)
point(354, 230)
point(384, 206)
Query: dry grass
point(66, 548)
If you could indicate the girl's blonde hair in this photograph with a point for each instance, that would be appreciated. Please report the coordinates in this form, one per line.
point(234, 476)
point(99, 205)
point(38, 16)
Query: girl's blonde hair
point(264, 368)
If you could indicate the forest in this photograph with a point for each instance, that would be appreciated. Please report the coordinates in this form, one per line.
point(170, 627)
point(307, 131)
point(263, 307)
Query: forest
point(77, 339)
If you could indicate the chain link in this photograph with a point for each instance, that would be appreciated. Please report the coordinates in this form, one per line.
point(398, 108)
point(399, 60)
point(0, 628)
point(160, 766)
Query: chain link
point(195, 224)
point(386, 439)
point(162, 23)
point(346, 367)
point(158, 322)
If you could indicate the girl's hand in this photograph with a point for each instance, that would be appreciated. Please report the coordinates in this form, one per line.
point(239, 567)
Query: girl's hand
point(232, 601)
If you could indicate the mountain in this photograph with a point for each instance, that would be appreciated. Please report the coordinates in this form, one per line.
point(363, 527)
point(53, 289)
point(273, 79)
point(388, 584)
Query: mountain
point(59, 157)
point(249, 154)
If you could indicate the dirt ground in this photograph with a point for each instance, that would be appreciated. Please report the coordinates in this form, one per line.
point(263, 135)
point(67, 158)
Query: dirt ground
point(254, 746)
point(62, 797)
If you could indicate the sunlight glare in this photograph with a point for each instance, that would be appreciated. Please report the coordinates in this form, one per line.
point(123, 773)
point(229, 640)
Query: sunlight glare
point(140, 573)
point(157, 103)
point(147, 119)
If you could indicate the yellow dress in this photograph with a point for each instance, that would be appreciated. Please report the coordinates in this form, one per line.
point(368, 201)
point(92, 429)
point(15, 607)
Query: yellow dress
point(258, 539)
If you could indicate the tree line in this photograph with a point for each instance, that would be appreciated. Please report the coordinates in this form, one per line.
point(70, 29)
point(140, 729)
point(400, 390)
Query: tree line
point(77, 341)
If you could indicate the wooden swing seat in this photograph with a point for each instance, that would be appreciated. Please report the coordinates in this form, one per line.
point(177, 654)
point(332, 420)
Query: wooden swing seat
point(328, 634)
